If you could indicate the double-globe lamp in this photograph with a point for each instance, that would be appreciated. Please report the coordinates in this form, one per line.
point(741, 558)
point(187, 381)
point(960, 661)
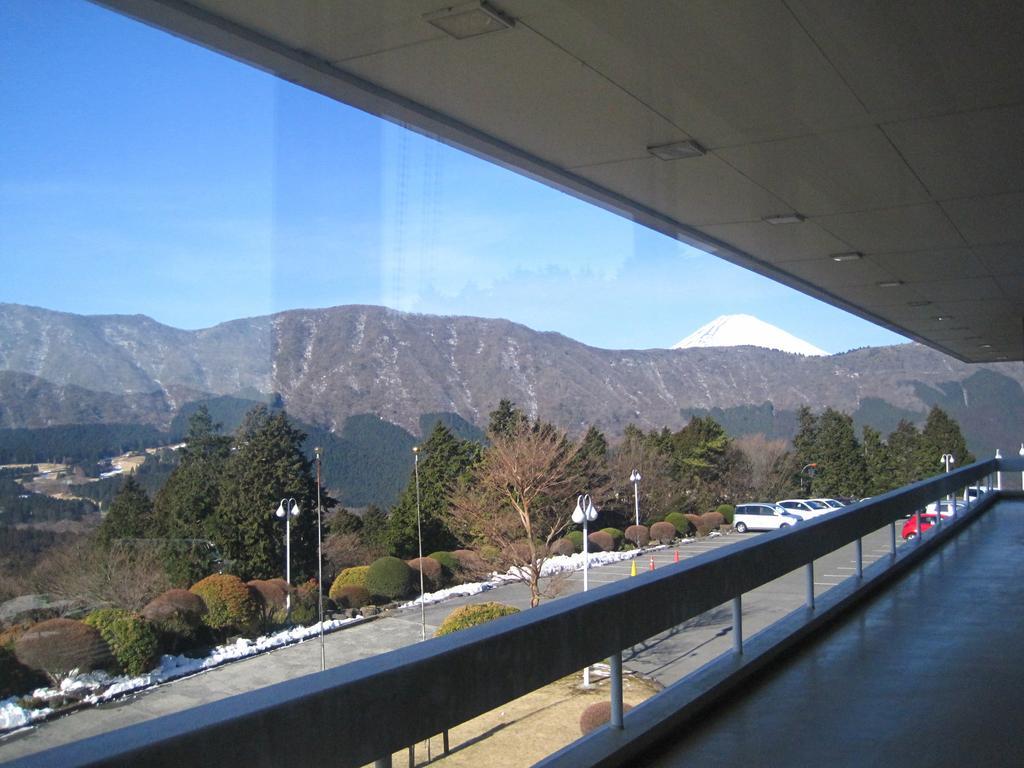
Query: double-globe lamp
point(288, 508)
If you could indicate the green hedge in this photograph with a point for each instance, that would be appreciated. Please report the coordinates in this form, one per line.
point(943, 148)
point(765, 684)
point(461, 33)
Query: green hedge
point(472, 615)
point(131, 638)
point(230, 605)
point(390, 578)
point(727, 511)
point(576, 537)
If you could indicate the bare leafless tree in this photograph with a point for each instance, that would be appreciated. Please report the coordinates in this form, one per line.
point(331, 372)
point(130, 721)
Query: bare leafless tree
point(123, 575)
point(771, 464)
point(518, 500)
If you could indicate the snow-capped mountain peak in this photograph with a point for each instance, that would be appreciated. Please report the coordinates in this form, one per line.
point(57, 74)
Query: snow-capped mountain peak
point(746, 330)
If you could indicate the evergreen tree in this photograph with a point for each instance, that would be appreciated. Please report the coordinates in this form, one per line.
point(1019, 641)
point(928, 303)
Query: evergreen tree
point(841, 470)
point(374, 530)
point(130, 515)
point(189, 497)
point(591, 463)
point(506, 419)
point(941, 435)
point(878, 461)
point(267, 465)
point(443, 460)
point(904, 449)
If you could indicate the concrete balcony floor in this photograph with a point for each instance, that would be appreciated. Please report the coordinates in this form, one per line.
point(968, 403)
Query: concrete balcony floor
point(928, 673)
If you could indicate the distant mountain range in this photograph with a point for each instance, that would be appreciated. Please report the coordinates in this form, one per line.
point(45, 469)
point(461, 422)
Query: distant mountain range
point(328, 365)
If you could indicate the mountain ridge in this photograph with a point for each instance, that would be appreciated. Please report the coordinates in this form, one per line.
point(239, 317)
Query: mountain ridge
point(326, 365)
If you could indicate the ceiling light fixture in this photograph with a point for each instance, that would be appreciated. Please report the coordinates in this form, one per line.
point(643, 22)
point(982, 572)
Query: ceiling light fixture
point(677, 150)
point(985, 346)
point(890, 284)
point(940, 318)
point(469, 19)
point(784, 218)
point(918, 303)
point(851, 256)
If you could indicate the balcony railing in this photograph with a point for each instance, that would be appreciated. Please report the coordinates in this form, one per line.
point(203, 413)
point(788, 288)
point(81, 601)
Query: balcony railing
point(364, 711)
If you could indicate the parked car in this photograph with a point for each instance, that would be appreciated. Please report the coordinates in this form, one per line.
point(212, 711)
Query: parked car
point(946, 507)
point(834, 503)
point(974, 492)
point(762, 516)
point(805, 508)
point(920, 522)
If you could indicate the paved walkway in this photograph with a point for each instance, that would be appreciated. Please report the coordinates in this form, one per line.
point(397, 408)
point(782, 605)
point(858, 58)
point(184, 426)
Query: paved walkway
point(666, 657)
point(928, 673)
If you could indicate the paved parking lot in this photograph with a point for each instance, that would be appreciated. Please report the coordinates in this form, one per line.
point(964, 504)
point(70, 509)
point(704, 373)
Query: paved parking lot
point(665, 657)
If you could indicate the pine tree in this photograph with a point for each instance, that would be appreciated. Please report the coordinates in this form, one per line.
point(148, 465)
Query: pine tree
point(267, 465)
point(443, 459)
point(878, 461)
point(841, 470)
point(189, 497)
point(941, 435)
point(904, 449)
point(506, 419)
point(130, 515)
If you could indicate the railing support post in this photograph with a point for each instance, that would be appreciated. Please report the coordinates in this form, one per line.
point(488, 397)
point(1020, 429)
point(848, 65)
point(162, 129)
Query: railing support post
point(860, 558)
point(737, 625)
point(809, 570)
point(615, 664)
point(892, 539)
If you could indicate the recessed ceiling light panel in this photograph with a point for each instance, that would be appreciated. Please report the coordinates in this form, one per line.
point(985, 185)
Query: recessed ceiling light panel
point(785, 218)
point(890, 284)
point(851, 256)
point(469, 20)
point(677, 150)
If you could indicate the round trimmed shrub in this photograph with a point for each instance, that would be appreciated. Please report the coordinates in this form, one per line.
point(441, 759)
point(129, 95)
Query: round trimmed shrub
point(15, 677)
point(56, 647)
point(727, 511)
point(601, 541)
point(271, 597)
point(617, 536)
point(351, 596)
point(472, 615)
point(449, 565)
point(598, 714)
point(563, 547)
point(696, 525)
point(390, 579)
point(679, 521)
point(471, 566)
point(576, 537)
point(350, 577)
point(712, 520)
point(131, 638)
point(664, 532)
point(305, 603)
point(433, 576)
point(639, 535)
point(230, 605)
point(177, 616)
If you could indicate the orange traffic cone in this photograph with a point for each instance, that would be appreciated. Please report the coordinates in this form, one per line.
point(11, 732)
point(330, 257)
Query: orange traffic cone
point(652, 563)
point(632, 571)
point(677, 555)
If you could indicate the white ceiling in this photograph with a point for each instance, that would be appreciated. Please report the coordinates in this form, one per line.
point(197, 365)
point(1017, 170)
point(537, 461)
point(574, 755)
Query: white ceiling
point(893, 127)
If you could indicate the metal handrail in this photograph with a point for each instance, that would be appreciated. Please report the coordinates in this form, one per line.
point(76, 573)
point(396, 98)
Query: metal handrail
point(357, 713)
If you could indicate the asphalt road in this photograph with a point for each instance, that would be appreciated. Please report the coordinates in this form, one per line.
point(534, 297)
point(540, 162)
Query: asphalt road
point(666, 657)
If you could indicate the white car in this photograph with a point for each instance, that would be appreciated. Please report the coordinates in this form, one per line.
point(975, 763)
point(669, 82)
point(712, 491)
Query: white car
point(834, 503)
point(762, 516)
point(806, 508)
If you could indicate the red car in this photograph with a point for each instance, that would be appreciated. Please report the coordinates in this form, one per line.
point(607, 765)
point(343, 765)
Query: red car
point(925, 519)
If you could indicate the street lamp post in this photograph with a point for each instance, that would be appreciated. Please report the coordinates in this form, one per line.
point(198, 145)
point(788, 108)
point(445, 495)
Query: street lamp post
point(320, 562)
point(288, 508)
point(585, 513)
point(1021, 454)
point(808, 471)
point(634, 478)
point(419, 536)
point(947, 459)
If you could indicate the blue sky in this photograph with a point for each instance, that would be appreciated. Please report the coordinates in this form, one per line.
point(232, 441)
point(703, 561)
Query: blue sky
point(143, 174)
